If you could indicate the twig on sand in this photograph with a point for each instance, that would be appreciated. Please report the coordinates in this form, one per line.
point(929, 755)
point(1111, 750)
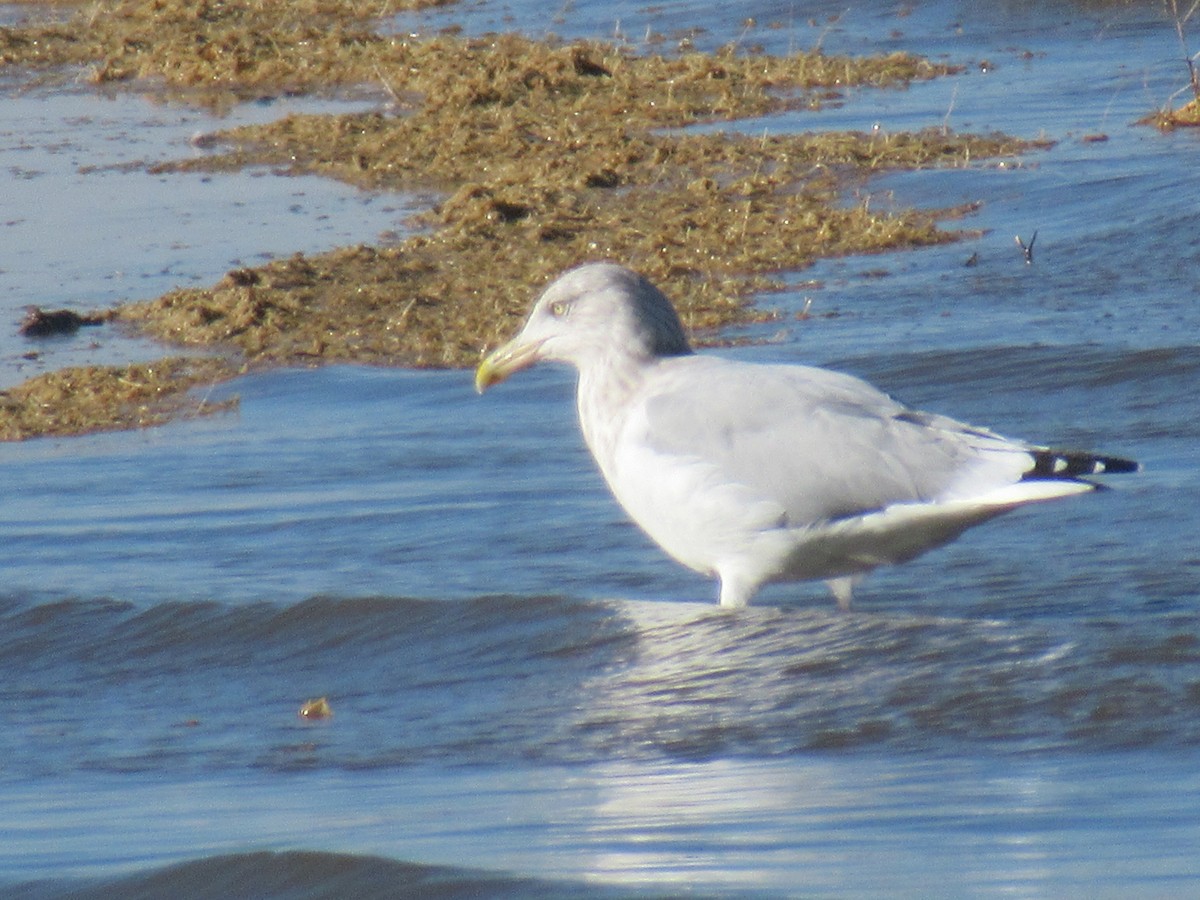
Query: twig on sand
point(1189, 58)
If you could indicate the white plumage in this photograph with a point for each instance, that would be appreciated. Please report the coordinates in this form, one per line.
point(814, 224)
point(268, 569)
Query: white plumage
point(761, 473)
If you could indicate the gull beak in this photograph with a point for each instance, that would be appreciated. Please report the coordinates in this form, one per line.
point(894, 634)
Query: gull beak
point(505, 360)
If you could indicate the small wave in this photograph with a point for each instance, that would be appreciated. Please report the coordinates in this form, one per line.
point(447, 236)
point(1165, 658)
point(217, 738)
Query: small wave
point(311, 875)
point(1038, 367)
point(115, 636)
point(201, 687)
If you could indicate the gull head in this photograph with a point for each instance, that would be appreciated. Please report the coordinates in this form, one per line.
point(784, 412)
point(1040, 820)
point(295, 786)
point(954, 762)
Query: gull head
point(599, 313)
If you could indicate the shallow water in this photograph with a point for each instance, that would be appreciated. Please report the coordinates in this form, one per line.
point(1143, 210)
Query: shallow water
point(529, 699)
point(85, 227)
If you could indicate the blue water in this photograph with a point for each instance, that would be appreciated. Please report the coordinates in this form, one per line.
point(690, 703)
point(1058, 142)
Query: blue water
point(528, 698)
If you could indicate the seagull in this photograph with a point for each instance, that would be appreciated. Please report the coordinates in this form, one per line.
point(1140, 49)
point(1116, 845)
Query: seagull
point(754, 473)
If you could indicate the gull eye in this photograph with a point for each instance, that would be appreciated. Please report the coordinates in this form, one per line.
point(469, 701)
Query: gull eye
point(559, 308)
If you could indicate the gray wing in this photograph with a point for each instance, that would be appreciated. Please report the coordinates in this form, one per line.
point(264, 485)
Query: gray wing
point(821, 444)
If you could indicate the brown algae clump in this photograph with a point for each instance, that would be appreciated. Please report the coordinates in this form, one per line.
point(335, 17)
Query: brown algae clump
point(548, 156)
point(543, 155)
point(213, 45)
point(1167, 119)
point(86, 399)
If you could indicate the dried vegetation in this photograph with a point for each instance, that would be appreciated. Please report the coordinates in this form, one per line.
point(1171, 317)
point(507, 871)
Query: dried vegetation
point(1169, 117)
point(84, 399)
point(541, 156)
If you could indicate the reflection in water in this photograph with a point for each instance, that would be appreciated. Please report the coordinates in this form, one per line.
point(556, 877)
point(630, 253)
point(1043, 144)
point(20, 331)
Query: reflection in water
point(888, 826)
point(1001, 826)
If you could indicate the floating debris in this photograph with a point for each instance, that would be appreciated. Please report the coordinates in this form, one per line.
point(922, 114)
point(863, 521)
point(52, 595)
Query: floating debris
point(316, 709)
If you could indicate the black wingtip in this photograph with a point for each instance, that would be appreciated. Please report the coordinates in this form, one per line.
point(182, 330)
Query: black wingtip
point(1059, 464)
point(1115, 465)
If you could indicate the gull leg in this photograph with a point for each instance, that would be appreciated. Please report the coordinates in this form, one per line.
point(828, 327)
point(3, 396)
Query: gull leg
point(843, 590)
point(735, 592)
